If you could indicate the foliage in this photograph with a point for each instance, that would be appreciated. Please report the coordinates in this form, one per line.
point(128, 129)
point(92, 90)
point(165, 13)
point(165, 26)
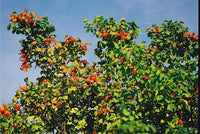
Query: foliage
point(131, 89)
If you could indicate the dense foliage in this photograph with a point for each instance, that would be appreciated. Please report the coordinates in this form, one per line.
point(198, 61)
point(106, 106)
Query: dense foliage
point(131, 89)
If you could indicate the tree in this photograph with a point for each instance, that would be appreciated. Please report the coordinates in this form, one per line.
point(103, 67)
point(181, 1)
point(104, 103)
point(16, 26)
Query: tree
point(131, 89)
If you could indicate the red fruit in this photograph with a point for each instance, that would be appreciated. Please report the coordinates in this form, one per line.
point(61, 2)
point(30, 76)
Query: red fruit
point(109, 78)
point(47, 43)
point(25, 60)
point(23, 54)
point(58, 104)
point(105, 35)
point(133, 70)
point(70, 38)
point(197, 91)
point(85, 62)
point(88, 80)
point(173, 93)
point(46, 100)
point(146, 78)
point(72, 73)
point(17, 107)
point(67, 42)
point(24, 13)
point(154, 31)
point(146, 52)
point(24, 88)
point(103, 109)
point(100, 71)
point(84, 47)
point(186, 33)
point(103, 84)
point(2, 109)
point(194, 37)
point(45, 80)
point(158, 30)
point(180, 121)
point(48, 39)
point(51, 63)
point(25, 65)
point(99, 113)
point(7, 113)
point(93, 78)
point(94, 132)
point(75, 68)
point(128, 97)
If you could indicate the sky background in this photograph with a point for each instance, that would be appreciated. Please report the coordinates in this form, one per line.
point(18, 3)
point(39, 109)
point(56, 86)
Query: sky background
point(67, 17)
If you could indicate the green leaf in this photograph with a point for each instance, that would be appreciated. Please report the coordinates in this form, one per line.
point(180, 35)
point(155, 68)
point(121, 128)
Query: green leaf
point(126, 112)
point(9, 26)
point(159, 97)
point(171, 107)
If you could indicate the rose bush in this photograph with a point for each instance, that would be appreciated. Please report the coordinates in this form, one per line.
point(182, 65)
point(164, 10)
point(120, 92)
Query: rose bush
point(131, 89)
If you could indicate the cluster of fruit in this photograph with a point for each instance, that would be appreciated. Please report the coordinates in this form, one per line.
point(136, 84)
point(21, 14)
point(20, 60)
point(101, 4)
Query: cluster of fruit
point(4, 112)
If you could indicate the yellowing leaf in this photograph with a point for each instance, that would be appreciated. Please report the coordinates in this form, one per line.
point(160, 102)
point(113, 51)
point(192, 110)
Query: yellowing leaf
point(186, 95)
point(184, 101)
point(30, 117)
point(38, 49)
point(122, 19)
point(43, 107)
point(54, 100)
point(72, 89)
point(65, 97)
point(162, 121)
point(74, 110)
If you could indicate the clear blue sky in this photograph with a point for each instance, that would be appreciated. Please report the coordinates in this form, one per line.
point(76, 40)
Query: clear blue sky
point(67, 17)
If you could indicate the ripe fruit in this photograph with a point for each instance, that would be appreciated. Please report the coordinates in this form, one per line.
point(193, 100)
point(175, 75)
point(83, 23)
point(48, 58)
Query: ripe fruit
point(51, 63)
point(14, 20)
point(39, 18)
point(173, 93)
point(154, 31)
point(34, 43)
point(75, 68)
point(25, 65)
point(24, 88)
point(158, 30)
point(23, 54)
point(24, 13)
point(85, 62)
point(99, 113)
point(72, 73)
point(194, 37)
point(7, 113)
point(128, 97)
point(197, 91)
point(105, 35)
point(133, 70)
point(84, 47)
point(186, 33)
point(45, 80)
point(70, 38)
point(2, 109)
point(146, 78)
point(146, 52)
point(94, 132)
point(103, 109)
point(17, 107)
point(67, 42)
point(109, 78)
point(25, 60)
point(180, 121)
point(58, 104)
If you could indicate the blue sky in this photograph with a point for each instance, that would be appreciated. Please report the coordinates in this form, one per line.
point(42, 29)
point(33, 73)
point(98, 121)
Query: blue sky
point(67, 17)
